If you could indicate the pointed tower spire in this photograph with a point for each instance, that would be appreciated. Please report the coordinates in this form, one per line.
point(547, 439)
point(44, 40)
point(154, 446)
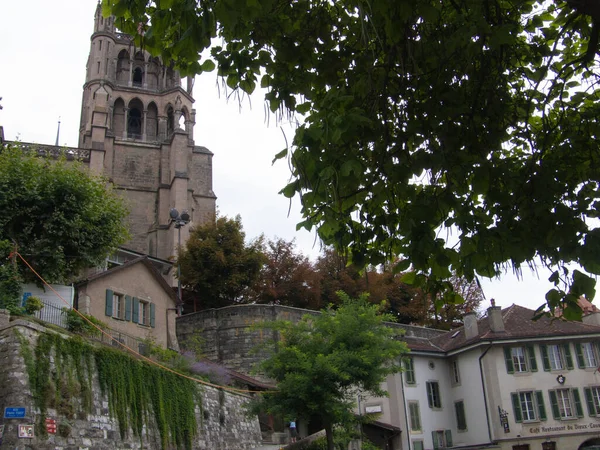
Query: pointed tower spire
point(57, 132)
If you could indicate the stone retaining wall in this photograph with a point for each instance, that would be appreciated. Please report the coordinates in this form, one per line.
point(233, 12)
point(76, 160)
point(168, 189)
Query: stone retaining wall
point(228, 338)
point(222, 420)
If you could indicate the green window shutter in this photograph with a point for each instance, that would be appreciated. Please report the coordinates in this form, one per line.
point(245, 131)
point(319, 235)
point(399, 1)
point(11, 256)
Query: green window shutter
point(554, 404)
point(109, 303)
point(568, 357)
point(429, 395)
point(589, 401)
point(461, 420)
point(135, 310)
point(127, 308)
point(545, 359)
point(579, 355)
point(152, 315)
point(510, 368)
point(539, 396)
point(448, 438)
point(516, 407)
point(532, 360)
point(577, 399)
point(434, 436)
point(417, 445)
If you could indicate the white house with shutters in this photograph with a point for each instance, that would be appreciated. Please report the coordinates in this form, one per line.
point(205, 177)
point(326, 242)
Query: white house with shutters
point(503, 382)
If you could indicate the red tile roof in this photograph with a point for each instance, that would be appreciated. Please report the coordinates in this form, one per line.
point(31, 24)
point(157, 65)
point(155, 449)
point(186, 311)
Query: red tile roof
point(518, 324)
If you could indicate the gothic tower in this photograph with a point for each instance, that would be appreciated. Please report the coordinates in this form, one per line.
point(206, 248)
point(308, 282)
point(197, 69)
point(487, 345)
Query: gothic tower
point(138, 123)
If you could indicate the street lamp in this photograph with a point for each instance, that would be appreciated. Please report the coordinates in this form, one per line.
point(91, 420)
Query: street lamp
point(180, 220)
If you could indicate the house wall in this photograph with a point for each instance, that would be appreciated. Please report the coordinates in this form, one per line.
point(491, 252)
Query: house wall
point(135, 281)
point(568, 434)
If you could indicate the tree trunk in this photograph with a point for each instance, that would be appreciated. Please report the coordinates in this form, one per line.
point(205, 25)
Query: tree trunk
point(329, 434)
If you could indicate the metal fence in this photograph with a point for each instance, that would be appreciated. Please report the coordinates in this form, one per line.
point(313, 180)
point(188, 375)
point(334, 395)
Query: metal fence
point(53, 314)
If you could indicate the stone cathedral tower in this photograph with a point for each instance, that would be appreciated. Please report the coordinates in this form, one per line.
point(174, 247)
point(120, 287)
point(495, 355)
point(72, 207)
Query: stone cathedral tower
point(138, 123)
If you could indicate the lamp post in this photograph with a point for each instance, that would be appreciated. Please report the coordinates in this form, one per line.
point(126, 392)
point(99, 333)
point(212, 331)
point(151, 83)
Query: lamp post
point(180, 220)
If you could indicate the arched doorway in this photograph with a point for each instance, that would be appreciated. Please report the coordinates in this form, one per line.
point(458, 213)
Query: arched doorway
point(590, 444)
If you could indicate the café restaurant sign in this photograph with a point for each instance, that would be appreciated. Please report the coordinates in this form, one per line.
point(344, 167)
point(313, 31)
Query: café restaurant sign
point(567, 428)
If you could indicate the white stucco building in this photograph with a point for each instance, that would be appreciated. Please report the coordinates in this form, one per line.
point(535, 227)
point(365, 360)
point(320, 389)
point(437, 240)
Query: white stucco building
point(503, 382)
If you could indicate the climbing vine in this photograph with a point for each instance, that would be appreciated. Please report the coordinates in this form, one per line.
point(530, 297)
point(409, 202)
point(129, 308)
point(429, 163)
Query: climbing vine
point(60, 372)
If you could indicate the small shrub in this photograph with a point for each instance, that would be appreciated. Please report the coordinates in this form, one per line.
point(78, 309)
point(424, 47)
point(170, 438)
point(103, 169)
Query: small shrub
point(32, 305)
point(77, 324)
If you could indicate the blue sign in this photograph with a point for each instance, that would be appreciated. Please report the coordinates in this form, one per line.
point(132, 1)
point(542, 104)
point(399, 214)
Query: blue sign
point(14, 413)
point(26, 295)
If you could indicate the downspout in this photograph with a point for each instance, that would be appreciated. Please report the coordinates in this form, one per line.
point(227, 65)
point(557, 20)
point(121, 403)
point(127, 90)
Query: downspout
point(167, 322)
point(485, 403)
point(405, 413)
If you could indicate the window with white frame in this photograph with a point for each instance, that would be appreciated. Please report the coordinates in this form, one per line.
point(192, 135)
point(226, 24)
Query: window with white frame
point(555, 357)
point(433, 394)
point(454, 372)
point(441, 438)
point(414, 416)
point(520, 359)
point(118, 306)
point(566, 403)
point(528, 406)
point(144, 313)
point(587, 355)
point(409, 371)
point(592, 399)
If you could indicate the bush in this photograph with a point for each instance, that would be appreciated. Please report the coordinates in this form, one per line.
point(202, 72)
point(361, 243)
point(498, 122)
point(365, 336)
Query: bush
point(77, 324)
point(32, 305)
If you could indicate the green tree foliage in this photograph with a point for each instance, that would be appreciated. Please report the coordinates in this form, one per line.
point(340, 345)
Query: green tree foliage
point(322, 362)
point(286, 278)
point(217, 264)
point(61, 218)
point(475, 116)
point(10, 279)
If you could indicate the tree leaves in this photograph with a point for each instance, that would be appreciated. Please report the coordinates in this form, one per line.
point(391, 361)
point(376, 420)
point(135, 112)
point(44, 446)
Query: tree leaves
point(61, 218)
point(479, 117)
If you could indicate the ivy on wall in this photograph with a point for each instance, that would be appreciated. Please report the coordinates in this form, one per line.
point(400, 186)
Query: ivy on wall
point(60, 372)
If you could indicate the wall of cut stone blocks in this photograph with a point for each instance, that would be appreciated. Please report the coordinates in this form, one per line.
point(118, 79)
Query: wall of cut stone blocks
point(222, 420)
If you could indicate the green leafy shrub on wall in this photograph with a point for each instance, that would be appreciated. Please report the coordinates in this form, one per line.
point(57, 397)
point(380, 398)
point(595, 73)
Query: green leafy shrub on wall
point(77, 324)
point(32, 305)
point(61, 372)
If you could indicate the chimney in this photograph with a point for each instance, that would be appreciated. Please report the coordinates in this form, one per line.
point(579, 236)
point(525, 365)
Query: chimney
point(494, 314)
point(592, 318)
point(471, 329)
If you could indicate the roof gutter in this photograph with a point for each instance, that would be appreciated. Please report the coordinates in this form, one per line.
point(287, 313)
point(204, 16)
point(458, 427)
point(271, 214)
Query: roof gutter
point(485, 403)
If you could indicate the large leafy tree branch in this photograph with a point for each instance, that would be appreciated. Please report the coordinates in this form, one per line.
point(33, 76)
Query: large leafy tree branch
point(420, 118)
point(59, 217)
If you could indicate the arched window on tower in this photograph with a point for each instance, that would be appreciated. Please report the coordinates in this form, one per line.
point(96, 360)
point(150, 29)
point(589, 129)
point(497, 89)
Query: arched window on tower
point(134, 119)
point(170, 121)
point(183, 119)
point(138, 71)
point(123, 67)
point(153, 73)
point(138, 76)
point(152, 122)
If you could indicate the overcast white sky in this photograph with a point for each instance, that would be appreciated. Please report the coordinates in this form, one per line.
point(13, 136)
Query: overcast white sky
point(43, 52)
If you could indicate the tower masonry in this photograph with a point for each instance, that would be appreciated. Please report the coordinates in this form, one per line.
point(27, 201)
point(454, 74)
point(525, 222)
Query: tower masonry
point(137, 121)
